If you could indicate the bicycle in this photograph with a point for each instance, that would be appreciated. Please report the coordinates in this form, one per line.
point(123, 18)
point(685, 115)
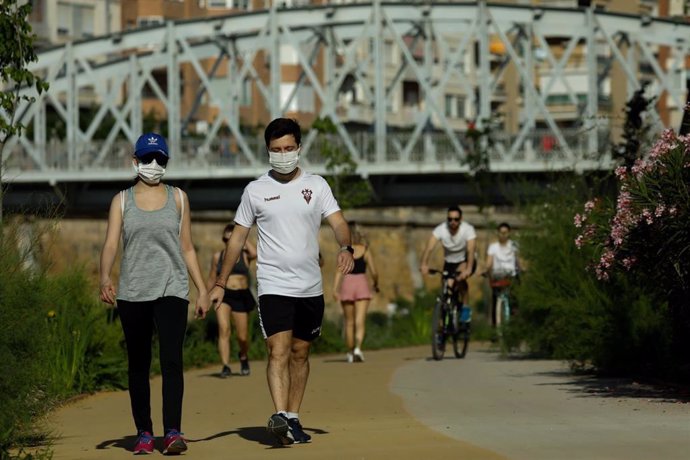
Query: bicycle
point(502, 286)
point(446, 321)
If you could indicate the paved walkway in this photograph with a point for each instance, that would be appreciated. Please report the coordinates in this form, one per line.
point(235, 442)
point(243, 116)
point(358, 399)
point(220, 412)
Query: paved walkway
point(401, 405)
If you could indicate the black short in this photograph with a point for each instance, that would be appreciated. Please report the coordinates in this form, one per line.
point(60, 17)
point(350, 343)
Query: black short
point(453, 266)
point(301, 315)
point(240, 300)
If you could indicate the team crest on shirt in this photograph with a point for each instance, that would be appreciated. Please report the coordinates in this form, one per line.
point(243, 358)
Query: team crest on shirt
point(306, 193)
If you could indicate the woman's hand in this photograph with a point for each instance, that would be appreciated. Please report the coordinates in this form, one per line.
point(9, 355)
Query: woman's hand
point(216, 296)
point(108, 293)
point(203, 303)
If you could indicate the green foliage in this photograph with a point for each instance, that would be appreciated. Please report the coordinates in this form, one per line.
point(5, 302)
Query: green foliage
point(635, 132)
point(23, 328)
point(55, 339)
point(646, 231)
point(16, 51)
point(349, 189)
point(566, 313)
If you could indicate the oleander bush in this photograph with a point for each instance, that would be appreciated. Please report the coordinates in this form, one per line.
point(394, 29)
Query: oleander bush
point(620, 326)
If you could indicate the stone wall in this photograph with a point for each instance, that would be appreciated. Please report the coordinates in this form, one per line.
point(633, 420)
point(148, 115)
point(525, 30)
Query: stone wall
point(397, 237)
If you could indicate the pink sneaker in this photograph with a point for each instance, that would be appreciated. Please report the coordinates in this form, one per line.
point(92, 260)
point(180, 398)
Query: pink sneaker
point(174, 443)
point(144, 444)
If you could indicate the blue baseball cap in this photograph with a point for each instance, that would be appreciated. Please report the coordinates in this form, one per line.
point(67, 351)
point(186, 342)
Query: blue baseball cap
point(150, 143)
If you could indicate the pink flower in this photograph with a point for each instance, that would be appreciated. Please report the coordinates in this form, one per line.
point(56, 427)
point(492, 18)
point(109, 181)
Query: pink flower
point(628, 262)
point(621, 172)
point(579, 241)
point(579, 219)
point(647, 216)
point(607, 259)
point(589, 206)
point(601, 274)
point(660, 209)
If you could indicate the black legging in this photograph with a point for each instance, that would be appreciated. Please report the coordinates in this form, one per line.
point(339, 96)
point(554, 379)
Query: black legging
point(169, 314)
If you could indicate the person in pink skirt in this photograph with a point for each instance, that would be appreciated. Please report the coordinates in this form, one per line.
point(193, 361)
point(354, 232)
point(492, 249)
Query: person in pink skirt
point(354, 294)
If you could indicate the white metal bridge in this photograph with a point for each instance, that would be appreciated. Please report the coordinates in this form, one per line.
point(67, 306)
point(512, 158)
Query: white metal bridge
point(370, 48)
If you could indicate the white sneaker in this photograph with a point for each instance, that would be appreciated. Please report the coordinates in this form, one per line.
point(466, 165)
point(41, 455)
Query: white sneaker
point(358, 356)
point(350, 357)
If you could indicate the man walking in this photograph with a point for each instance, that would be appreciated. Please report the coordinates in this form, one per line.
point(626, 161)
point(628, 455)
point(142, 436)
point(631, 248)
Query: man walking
point(288, 205)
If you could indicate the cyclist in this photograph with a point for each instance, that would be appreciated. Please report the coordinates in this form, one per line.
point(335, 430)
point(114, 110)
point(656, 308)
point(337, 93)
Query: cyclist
point(502, 264)
point(459, 244)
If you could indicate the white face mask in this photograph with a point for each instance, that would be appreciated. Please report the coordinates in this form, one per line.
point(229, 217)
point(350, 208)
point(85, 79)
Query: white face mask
point(284, 163)
point(150, 173)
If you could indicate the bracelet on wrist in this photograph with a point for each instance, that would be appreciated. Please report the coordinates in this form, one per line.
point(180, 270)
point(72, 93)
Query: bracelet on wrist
point(220, 285)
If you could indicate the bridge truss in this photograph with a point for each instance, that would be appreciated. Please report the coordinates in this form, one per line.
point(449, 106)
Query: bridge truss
point(372, 47)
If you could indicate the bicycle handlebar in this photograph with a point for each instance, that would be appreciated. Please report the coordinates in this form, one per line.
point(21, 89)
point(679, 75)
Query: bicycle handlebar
point(443, 273)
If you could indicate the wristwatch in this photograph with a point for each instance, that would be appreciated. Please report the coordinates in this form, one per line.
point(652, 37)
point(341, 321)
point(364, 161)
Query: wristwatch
point(348, 249)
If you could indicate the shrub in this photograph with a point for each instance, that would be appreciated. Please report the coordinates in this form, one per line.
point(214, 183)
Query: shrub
point(644, 237)
point(23, 328)
point(565, 312)
point(55, 338)
point(647, 232)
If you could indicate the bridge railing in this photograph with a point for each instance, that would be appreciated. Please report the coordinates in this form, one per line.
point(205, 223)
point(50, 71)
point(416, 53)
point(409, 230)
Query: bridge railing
point(432, 151)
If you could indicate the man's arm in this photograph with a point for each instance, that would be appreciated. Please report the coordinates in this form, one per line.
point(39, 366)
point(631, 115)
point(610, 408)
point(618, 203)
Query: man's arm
point(233, 249)
point(341, 230)
point(489, 265)
point(467, 271)
point(430, 246)
point(211, 279)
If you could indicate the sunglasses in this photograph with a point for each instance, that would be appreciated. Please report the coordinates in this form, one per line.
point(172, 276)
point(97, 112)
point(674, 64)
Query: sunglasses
point(160, 158)
point(453, 219)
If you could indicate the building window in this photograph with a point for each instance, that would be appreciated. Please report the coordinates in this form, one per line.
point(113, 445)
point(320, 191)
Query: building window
point(149, 21)
point(76, 21)
point(410, 93)
point(455, 106)
point(246, 96)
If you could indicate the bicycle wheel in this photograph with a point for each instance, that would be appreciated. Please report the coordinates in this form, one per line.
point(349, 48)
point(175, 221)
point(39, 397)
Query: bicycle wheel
point(461, 339)
point(506, 308)
point(438, 336)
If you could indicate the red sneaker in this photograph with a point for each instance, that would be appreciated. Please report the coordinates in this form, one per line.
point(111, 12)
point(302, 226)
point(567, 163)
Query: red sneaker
point(174, 443)
point(144, 444)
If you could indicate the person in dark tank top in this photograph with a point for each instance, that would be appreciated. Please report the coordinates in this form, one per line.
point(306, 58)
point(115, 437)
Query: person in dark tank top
point(158, 258)
point(237, 303)
point(354, 294)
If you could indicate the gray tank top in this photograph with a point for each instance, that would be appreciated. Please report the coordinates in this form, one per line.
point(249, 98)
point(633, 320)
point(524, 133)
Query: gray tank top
point(152, 263)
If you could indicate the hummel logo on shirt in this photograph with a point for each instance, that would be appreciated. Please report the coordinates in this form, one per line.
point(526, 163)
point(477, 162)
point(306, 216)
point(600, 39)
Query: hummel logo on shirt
point(271, 198)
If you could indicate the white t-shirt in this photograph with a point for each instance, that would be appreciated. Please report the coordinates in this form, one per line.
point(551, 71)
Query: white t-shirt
point(288, 217)
point(455, 246)
point(504, 258)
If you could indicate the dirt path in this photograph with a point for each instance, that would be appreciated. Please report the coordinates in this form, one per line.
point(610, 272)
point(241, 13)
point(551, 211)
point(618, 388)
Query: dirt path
point(349, 410)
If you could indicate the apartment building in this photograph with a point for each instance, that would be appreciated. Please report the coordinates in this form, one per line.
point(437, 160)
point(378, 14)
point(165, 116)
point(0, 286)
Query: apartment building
point(56, 22)
point(59, 20)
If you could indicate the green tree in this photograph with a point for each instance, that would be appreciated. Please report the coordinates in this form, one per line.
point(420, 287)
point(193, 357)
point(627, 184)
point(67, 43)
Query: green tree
point(348, 187)
point(16, 51)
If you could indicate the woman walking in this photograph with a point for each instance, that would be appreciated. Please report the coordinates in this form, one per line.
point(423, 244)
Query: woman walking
point(158, 254)
point(352, 290)
point(238, 301)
